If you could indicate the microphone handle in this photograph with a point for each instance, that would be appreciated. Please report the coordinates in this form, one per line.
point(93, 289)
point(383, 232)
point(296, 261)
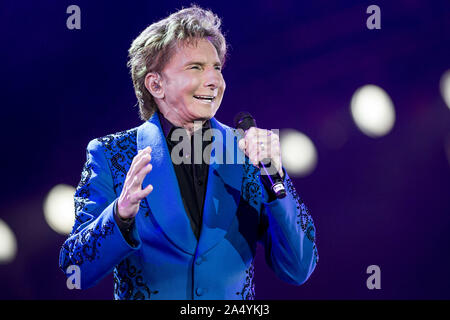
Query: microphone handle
point(274, 180)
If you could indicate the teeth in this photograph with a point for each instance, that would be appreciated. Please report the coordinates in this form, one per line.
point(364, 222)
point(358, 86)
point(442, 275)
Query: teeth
point(204, 97)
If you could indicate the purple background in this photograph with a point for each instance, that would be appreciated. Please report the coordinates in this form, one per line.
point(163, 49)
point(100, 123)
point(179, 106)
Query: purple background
point(293, 64)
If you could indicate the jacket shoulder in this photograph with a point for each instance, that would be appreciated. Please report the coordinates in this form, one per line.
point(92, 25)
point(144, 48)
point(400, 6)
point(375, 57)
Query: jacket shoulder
point(119, 149)
point(119, 141)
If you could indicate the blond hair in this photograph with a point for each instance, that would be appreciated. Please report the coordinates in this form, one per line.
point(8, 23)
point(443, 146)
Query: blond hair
point(154, 47)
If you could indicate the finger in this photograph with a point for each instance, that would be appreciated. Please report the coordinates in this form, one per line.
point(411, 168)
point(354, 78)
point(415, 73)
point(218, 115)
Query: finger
point(273, 153)
point(250, 132)
point(145, 159)
point(136, 158)
point(252, 154)
point(250, 135)
point(141, 153)
point(144, 192)
point(254, 160)
point(256, 132)
point(142, 162)
point(258, 156)
point(242, 144)
point(267, 147)
point(259, 144)
point(143, 173)
point(270, 150)
point(138, 178)
point(252, 143)
point(147, 149)
point(130, 198)
point(141, 194)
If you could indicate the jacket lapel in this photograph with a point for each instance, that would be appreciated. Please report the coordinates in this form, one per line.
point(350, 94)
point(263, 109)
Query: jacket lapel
point(165, 200)
point(223, 188)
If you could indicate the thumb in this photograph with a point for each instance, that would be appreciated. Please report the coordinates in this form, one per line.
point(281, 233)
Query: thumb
point(242, 144)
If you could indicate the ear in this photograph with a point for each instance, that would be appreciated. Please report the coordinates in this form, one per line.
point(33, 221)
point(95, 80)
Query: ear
point(153, 84)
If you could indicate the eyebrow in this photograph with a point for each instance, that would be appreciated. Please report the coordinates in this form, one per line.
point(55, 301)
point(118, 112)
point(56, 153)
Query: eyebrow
point(201, 63)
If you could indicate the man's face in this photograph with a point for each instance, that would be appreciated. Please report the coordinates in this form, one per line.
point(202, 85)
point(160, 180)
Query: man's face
point(193, 83)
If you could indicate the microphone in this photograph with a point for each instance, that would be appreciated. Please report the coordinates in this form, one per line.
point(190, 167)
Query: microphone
point(244, 121)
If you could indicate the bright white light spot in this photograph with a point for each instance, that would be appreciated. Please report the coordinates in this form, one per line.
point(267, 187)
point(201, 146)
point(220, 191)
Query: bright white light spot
point(298, 153)
point(8, 243)
point(59, 208)
point(445, 87)
point(373, 111)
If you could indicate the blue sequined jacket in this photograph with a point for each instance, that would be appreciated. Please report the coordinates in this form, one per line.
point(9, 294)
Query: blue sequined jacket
point(165, 260)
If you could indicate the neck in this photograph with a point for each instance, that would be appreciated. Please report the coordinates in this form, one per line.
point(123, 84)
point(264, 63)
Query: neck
point(189, 126)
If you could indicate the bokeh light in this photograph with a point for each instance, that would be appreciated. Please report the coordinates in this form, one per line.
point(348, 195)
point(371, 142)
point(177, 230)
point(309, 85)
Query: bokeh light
point(59, 208)
point(445, 87)
point(373, 111)
point(8, 243)
point(298, 153)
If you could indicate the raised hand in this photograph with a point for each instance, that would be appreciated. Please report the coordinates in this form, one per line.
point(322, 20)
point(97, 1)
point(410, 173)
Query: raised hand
point(132, 192)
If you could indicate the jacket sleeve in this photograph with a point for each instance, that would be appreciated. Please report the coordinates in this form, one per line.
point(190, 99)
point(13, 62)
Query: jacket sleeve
point(96, 243)
point(288, 235)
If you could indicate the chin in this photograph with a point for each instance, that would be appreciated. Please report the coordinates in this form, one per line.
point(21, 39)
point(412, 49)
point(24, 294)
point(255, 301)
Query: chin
point(206, 114)
point(203, 117)
point(209, 115)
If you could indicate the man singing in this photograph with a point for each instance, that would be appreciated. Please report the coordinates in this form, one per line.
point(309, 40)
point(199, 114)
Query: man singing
point(179, 223)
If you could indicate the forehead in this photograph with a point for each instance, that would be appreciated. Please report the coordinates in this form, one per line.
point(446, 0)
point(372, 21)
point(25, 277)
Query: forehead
point(194, 50)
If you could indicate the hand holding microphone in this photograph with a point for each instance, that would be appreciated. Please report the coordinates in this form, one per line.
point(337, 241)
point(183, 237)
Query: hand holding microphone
point(262, 147)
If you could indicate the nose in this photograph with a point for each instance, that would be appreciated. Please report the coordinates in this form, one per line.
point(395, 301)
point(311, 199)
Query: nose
point(213, 79)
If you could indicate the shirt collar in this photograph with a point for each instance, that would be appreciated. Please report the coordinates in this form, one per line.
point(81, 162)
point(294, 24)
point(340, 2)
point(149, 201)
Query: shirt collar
point(166, 125)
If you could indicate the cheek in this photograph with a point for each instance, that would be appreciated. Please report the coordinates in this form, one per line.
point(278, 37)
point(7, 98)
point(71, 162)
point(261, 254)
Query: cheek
point(190, 86)
point(184, 88)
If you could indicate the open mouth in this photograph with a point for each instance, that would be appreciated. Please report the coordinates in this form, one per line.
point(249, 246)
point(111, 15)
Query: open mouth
point(205, 98)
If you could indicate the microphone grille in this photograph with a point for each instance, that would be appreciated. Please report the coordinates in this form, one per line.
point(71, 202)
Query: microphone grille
point(244, 120)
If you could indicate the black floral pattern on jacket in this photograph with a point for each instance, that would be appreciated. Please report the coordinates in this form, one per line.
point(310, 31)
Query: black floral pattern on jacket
point(129, 283)
point(248, 290)
point(120, 148)
point(304, 219)
point(251, 187)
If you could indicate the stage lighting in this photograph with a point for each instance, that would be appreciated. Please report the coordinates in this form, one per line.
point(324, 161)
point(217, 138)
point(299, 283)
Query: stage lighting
point(372, 111)
point(8, 243)
point(445, 87)
point(59, 208)
point(298, 153)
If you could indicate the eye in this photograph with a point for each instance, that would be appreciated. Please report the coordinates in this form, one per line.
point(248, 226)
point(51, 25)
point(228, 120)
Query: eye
point(219, 68)
point(196, 67)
